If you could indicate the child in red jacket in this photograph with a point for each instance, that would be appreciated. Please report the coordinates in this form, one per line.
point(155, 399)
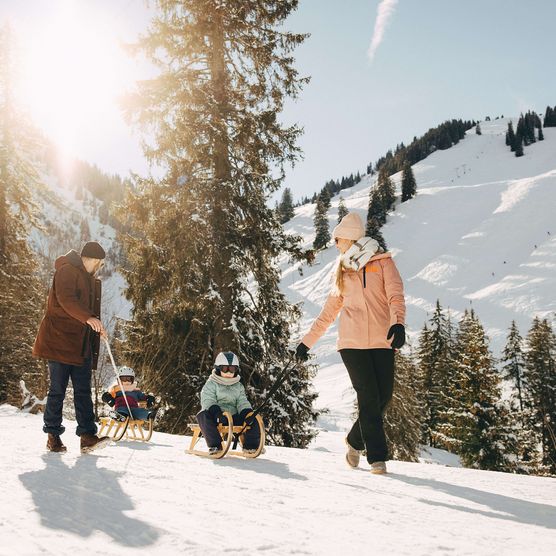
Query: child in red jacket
point(132, 394)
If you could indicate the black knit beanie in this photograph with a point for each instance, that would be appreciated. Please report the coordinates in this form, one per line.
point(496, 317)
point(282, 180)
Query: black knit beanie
point(93, 250)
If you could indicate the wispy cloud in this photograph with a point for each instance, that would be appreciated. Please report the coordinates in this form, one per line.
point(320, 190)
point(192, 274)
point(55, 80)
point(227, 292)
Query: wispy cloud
point(384, 12)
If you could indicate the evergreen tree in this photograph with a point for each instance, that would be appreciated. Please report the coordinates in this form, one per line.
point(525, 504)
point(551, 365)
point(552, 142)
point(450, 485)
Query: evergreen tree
point(376, 210)
point(510, 137)
point(403, 418)
point(514, 362)
point(518, 145)
point(85, 233)
point(409, 185)
point(540, 389)
point(373, 230)
point(285, 208)
point(434, 372)
point(202, 254)
point(342, 210)
point(541, 134)
point(387, 192)
point(322, 231)
point(478, 129)
point(20, 291)
point(550, 117)
point(471, 424)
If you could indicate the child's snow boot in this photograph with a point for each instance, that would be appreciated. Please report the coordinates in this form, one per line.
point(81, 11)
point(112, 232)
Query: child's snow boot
point(213, 450)
point(352, 455)
point(378, 468)
point(55, 444)
point(91, 442)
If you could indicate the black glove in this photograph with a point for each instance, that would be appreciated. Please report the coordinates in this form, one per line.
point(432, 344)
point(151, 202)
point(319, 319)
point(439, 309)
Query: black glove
point(302, 352)
point(217, 414)
point(398, 331)
point(107, 398)
point(150, 400)
point(243, 414)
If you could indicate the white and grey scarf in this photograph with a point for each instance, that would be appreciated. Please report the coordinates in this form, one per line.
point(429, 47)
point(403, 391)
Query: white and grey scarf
point(359, 254)
point(223, 380)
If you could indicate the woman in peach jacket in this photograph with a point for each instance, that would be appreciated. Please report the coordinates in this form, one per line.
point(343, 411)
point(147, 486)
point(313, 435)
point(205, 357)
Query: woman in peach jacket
point(368, 294)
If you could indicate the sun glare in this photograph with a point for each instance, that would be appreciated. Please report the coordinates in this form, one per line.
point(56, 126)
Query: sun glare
point(72, 74)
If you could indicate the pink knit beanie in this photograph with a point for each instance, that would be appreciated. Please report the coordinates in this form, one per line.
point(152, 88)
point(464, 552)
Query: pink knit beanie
point(351, 227)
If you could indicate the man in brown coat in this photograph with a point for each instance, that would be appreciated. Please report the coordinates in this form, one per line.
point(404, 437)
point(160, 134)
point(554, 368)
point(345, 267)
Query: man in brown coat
point(69, 338)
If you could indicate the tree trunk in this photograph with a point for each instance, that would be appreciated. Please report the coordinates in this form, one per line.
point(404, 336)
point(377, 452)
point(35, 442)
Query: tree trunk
point(223, 334)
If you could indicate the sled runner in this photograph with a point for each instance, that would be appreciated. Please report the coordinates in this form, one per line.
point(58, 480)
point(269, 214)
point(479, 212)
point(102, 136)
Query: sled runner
point(117, 426)
point(227, 433)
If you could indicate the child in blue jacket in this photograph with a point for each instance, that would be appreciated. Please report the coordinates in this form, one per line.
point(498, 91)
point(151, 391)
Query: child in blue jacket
point(224, 392)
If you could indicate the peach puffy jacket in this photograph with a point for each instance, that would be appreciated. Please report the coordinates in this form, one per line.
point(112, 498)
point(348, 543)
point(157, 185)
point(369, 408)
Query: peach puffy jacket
point(372, 300)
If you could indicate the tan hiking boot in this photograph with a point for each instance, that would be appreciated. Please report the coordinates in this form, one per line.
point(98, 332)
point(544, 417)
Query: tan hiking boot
point(378, 468)
point(90, 442)
point(352, 456)
point(55, 444)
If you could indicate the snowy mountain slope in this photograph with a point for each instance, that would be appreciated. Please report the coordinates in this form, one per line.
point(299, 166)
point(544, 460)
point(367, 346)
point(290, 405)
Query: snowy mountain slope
point(481, 233)
point(154, 499)
point(60, 217)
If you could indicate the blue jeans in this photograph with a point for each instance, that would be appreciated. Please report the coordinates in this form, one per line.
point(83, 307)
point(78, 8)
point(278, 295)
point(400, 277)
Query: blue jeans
point(60, 374)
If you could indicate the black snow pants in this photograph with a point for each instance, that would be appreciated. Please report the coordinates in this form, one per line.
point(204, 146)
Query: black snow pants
point(209, 429)
point(372, 375)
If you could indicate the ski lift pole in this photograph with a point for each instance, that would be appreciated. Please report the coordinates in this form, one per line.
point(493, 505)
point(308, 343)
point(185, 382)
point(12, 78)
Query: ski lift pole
point(117, 375)
point(278, 382)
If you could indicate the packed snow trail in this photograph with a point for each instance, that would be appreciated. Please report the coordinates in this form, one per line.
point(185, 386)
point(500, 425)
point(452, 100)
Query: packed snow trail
point(134, 498)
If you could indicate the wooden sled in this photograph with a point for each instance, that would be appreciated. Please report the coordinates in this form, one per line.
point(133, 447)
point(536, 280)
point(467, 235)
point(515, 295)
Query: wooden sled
point(227, 433)
point(118, 426)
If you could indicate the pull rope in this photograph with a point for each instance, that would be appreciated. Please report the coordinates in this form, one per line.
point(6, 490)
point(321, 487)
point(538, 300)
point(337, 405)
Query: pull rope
point(117, 375)
point(279, 381)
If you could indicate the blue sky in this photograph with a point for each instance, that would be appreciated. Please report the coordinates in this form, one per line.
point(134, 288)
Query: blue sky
point(438, 59)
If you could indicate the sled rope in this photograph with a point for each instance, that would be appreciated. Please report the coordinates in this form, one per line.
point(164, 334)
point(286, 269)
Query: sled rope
point(279, 381)
point(117, 375)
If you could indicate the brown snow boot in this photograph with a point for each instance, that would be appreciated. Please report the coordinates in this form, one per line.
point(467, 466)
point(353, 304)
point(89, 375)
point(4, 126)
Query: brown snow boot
point(378, 468)
point(55, 444)
point(90, 442)
point(352, 456)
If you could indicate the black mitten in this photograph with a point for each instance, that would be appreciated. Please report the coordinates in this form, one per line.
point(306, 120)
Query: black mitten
point(302, 352)
point(398, 331)
point(243, 414)
point(107, 398)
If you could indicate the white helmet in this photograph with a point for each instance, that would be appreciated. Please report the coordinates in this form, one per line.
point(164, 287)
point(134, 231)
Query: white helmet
point(126, 371)
point(226, 359)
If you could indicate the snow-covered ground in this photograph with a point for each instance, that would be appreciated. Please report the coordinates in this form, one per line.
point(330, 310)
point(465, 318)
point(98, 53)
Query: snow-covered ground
point(154, 499)
point(481, 234)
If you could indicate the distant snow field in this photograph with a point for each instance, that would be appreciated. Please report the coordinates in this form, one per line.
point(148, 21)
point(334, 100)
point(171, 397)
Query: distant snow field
point(153, 498)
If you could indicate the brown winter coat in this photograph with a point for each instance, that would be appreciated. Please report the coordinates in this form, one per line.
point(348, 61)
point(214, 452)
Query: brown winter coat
point(73, 298)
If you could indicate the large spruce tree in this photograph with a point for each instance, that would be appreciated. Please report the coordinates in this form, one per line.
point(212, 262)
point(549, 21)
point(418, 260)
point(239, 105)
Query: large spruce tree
point(342, 209)
point(514, 362)
point(435, 369)
point(285, 207)
point(20, 300)
point(471, 424)
point(409, 185)
point(322, 227)
point(540, 390)
point(203, 275)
